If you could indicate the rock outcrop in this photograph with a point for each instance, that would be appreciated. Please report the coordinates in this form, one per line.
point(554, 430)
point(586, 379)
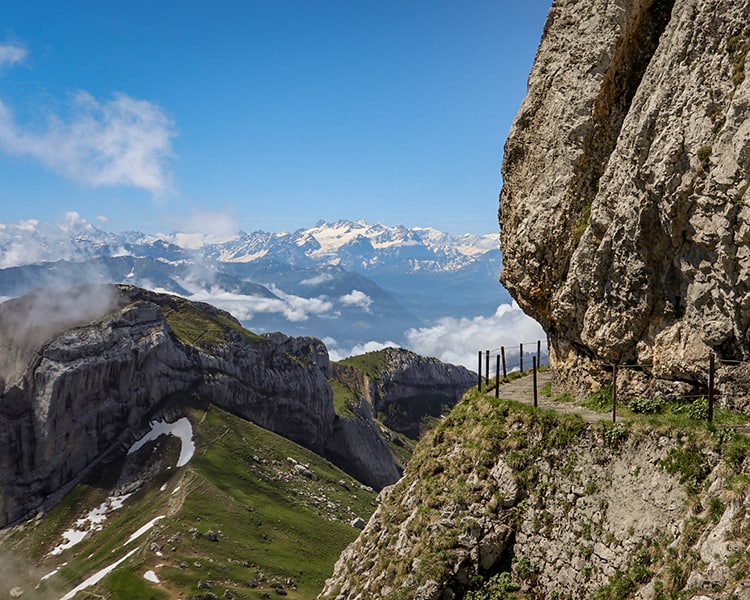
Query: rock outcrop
point(360, 448)
point(83, 371)
point(390, 390)
point(499, 499)
point(625, 222)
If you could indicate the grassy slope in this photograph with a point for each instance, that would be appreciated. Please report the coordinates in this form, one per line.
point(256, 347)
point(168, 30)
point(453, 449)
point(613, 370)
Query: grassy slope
point(272, 525)
point(196, 327)
point(371, 364)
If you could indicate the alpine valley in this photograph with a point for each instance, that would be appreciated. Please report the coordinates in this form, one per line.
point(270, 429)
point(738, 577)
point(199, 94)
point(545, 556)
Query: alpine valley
point(625, 231)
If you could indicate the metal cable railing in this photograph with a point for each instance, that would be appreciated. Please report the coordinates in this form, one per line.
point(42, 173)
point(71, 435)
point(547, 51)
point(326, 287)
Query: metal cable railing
point(531, 356)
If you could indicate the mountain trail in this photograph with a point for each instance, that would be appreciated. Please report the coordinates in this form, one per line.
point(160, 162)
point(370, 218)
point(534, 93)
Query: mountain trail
point(522, 390)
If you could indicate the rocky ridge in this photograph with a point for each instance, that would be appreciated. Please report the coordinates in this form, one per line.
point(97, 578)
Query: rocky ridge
point(624, 214)
point(118, 356)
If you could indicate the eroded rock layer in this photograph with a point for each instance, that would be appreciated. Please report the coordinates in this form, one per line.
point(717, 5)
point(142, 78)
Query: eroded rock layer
point(624, 215)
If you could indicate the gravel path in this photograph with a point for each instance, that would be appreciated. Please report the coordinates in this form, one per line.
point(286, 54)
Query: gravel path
point(522, 390)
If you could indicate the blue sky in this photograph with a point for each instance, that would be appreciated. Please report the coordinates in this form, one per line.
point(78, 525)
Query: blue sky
point(260, 114)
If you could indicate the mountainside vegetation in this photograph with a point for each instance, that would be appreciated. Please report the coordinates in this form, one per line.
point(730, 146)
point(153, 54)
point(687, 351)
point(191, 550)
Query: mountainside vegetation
point(502, 500)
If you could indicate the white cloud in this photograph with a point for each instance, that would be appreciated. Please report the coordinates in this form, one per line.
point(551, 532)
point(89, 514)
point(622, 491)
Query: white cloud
point(22, 244)
point(198, 228)
point(244, 307)
point(458, 341)
point(338, 353)
point(74, 223)
point(11, 54)
point(357, 298)
point(30, 241)
point(318, 279)
point(122, 141)
point(299, 308)
point(27, 225)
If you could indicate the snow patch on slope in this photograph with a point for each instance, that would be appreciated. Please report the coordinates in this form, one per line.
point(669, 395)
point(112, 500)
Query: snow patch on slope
point(93, 521)
point(180, 428)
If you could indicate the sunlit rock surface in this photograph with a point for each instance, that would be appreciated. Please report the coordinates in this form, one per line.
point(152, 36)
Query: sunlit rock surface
point(624, 214)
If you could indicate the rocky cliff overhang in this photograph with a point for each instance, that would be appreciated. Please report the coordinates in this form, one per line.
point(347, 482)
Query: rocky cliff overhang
point(624, 215)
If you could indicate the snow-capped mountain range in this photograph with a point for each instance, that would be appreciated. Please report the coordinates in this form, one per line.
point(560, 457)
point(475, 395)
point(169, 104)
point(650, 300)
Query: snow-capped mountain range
point(357, 245)
point(348, 283)
point(353, 245)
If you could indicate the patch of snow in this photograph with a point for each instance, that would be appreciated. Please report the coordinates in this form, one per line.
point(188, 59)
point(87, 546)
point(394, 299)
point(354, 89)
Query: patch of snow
point(174, 263)
point(91, 522)
point(116, 502)
point(180, 428)
point(48, 575)
point(230, 256)
point(196, 241)
point(139, 532)
point(97, 577)
point(151, 576)
point(72, 537)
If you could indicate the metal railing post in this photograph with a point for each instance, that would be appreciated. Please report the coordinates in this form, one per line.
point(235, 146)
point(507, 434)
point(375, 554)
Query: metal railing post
point(711, 373)
point(614, 393)
point(497, 376)
point(479, 371)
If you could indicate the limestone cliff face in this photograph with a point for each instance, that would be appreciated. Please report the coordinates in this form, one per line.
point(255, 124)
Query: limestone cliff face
point(406, 387)
point(86, 383)
point(625, 222)
point(396, 388)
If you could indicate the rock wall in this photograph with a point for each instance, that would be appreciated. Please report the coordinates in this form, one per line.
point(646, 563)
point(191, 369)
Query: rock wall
point(83, 394)
point(281, 385)
point(357, 442)
point(624, 215)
